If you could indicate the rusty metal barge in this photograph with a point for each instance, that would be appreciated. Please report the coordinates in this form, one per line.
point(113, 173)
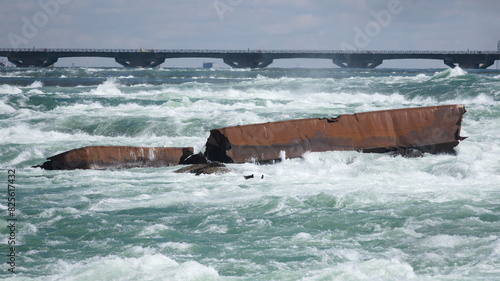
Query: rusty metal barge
point(434, 129)
point(117, 157)
point(429, 129)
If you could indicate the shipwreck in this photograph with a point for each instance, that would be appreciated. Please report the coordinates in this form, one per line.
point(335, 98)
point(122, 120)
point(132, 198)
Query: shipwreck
point(429, 129)
point(434, 129)
point(119, 157)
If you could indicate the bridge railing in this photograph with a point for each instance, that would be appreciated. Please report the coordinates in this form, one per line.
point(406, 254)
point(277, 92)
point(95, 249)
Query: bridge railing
point(240, 51)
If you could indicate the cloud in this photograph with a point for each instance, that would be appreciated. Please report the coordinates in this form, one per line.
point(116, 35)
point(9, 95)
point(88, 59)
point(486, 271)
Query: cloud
point(294, 24)
point(256, 24)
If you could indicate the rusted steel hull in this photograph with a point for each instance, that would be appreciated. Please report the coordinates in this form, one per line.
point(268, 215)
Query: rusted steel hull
point(430, 129)
point(117, 157)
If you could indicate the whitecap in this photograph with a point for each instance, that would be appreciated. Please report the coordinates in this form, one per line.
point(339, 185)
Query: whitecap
point(302, 236)
point(27, 155)
point(36, 91)
point(443, 241)
point(450, 73)
point(17, 134)
point(5, 108)
point(154, 231)
point(420, 76)
point(152, 266)
point(374, 269)
point(10, 90)
point(457, 71)
point(108, 88)
point(36, 84)
point(179, 246)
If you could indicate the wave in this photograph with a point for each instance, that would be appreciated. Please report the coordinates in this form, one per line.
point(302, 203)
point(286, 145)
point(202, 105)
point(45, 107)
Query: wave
point(10, 90)
point(5, 108)
point(450, 73)
point(36, 84)
point(114, 80)
point(154, 266)
point(110, 87)
point(300, 217)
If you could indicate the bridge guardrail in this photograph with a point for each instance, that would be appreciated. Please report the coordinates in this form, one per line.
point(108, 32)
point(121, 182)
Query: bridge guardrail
point(241, 51)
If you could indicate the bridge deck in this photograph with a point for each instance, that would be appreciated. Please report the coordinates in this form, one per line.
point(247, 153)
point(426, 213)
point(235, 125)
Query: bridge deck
point(246, 58)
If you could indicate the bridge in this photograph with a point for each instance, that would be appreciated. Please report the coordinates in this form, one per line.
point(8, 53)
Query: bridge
point(44, 57)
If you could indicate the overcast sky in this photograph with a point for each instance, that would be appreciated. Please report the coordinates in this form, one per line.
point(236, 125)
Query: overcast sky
point(254, 24)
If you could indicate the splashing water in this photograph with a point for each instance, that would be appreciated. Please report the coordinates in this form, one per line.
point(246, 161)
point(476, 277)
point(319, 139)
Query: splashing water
point(327, 216)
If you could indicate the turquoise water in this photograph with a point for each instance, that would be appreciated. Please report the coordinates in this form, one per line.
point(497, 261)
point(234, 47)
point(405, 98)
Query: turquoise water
point(327, 216)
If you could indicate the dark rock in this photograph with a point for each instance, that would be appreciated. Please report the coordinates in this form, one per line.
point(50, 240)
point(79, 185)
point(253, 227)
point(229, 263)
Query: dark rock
point(214, 167)
point(408, 153)
point(193, 159)
point(252, 176)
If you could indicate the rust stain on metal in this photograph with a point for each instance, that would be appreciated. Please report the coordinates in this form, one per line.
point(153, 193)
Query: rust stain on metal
point(117, 157)
point(429, 129)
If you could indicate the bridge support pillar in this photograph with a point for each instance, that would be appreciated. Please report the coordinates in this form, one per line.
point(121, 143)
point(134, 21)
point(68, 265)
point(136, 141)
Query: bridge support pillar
point(357, 61)
point(450, 63)
point(339, 63)
point(33, 61)
point(248, 60)
point(247, 63)
point(470, 63)
point(139, 60)
point(476, 64)
point(358, 64)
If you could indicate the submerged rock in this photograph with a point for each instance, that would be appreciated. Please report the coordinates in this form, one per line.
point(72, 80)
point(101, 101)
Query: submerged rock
point(214, 167)
point(408, 153)
point(252, 176)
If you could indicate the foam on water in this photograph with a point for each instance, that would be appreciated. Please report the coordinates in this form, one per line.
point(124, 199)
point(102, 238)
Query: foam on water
point(146, 267)
point(5, 108)
point(36, 84)
point(108, 88)
point(457, 71)
point(450, 73)
point(326, 216)
point(375, 269)
point(10, 90)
